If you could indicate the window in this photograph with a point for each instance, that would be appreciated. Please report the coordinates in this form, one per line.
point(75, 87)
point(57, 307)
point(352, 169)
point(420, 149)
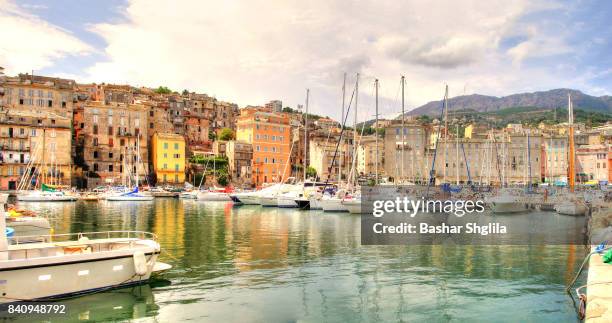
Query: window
point(95, 129)
point(177, 156)
point(110, 131)
point(176, 146)
point(176, 178)
point(165, 145)
point(95, 167)
point(95, 141)
point(151, 125)
point(176, 167)
point(110, 168)
point(95, 119)
point(110, 155)
point(33, 134)
point(165, 155)
point(110, 142)
point(95, 154)
point(165, 166)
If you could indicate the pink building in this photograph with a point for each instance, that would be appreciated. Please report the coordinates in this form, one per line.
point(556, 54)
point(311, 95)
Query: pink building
point(592, 163)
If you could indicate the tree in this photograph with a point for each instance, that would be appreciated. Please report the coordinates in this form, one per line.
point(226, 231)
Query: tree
point(185, 92)
point(226, 134)
point(163, 90)
point(311, 172)
point(212, 135)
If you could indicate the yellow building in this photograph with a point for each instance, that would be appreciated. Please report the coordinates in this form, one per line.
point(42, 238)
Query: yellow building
point(168, 154)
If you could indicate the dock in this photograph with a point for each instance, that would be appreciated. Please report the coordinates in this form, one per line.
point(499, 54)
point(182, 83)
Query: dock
point(599, 281)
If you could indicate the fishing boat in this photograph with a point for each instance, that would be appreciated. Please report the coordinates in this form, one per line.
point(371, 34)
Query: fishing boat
point(75, 263)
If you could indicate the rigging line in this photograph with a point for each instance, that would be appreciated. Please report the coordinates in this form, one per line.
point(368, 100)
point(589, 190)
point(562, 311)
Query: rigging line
point(329, 168)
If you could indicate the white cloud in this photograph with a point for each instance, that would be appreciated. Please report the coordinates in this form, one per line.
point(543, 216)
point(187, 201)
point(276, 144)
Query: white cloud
point(29, 42)
point(253, 51)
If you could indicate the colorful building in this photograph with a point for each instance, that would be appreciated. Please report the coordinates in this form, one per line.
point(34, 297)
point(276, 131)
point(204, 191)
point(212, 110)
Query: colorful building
point(270, 135)
point(168, 154)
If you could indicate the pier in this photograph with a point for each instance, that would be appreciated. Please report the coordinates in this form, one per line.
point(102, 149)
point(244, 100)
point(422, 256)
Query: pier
point(599, 282)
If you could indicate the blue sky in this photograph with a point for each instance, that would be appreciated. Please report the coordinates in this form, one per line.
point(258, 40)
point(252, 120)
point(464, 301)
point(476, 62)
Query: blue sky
point(253, 51)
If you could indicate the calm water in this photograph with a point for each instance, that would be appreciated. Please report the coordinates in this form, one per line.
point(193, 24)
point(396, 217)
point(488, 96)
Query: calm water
point(250, 264)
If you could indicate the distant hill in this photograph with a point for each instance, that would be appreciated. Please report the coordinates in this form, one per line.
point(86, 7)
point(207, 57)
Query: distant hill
point(544, 100)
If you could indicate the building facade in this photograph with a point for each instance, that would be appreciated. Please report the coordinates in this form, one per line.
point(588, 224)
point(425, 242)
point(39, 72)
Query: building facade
point(168, 155)
point(270, 135)
point(239, 156)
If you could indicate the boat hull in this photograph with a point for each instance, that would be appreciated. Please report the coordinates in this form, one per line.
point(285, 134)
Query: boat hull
point(268, 201)
point(353, 206)
point(303, 204)
point(130, 198)
point(332, 205)
point(213, 196)
point(42, 198)
point(315, 204)
point(286, 202)
point(48, 281)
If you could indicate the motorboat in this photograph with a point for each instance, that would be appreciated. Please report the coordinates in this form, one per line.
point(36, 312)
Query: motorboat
point(507, 201)
point(571, 207)
point(75, 263)
point(288, 199)
point(134, 195)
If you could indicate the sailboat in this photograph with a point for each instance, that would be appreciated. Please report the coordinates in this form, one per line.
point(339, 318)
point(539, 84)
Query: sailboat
point(47, 193)
point(215, 193)
point(335, 203)
point(133, 194)
point(74, 264)
point(571, 205)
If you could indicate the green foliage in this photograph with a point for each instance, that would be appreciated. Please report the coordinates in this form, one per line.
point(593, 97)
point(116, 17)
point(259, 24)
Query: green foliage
point(163, 90)
point(185, 92)
point(219, 162)
point(424, 119)
point(288, 110)
point(212, 135)
point(222, 179)
point(311, 172)
point(226, 134)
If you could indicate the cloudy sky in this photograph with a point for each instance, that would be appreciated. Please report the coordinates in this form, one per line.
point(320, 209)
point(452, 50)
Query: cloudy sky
point(253, 51)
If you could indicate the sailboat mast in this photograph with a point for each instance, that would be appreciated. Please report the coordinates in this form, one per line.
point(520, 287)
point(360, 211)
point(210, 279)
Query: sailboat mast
point(457, 155)
point(306, 133)
point(342, 125)
point(355, 130)
point(445, 131)
point(376, 135)
point(572, 153)
point(403, 80)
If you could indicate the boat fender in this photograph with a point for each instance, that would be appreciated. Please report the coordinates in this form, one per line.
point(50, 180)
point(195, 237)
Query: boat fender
point(140, 263)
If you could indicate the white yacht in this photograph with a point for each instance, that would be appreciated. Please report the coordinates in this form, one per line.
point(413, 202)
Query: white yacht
point(332, 204)
point(507, 201)
point(90, 262)
point(190, 195)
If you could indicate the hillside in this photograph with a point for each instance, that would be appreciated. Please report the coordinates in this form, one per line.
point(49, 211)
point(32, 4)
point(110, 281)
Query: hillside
point(544, 100)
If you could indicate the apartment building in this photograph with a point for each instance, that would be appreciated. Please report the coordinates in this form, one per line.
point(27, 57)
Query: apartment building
point(270, 135)
point(554, 158)
point(592, 163)
point(37, 145)
point(37, 95)
point(108, 134)
point(168, 155)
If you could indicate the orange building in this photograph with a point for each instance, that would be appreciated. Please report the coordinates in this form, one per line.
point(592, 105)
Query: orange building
point(270, 135)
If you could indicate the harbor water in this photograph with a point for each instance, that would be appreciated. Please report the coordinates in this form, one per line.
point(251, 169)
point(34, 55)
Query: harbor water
point(254, 264)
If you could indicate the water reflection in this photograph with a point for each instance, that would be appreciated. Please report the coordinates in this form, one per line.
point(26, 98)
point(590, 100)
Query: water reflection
point(258, 264)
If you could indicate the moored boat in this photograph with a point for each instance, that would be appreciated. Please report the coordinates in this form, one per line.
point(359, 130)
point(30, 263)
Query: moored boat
point(74, 263)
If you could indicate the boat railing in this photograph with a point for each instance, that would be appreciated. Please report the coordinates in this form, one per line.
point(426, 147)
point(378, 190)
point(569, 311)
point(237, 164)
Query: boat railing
point(119, 236)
